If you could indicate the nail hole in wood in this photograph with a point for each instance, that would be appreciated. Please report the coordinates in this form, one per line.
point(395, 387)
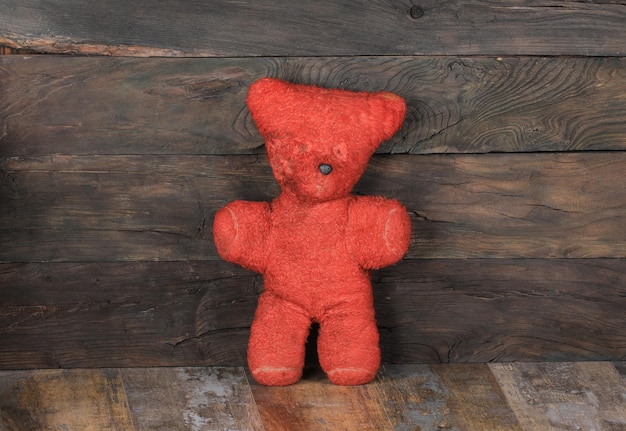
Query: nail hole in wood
point(416, 12)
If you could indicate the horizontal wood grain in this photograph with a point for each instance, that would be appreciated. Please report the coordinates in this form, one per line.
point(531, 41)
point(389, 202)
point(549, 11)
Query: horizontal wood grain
point(199, 313)
point(126, 315)
point(490, 310)
point(134, 208)
point(153, 28)
point(72, 106)
point(511, 163)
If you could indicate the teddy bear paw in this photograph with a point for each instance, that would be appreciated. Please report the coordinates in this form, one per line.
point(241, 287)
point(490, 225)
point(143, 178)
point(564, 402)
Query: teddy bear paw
point(276, 376)
point(351, 376)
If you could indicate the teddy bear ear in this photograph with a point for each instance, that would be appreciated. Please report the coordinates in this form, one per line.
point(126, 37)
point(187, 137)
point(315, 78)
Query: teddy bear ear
point(263, 88)
point(267, 95)
point(387, 113)
point(264, 100)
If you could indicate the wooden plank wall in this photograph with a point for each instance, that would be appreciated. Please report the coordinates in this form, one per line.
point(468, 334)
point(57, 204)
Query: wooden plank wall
point(113, 161)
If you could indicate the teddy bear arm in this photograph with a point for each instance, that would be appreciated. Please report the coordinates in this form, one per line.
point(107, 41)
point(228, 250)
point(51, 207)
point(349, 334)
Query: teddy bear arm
point(240, 231)
point(379, 231)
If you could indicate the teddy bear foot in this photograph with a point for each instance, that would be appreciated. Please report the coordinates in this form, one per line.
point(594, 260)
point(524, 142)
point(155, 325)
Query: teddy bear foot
point(351, 376)
point(276, 376)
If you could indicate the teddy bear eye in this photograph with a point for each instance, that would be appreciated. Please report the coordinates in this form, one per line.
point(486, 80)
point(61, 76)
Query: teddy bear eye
point(325, 169)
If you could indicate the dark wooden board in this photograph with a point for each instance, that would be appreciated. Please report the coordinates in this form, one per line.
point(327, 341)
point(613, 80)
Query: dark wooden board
point(129, 208)
point(154, 28)
point(564, 396)
point(73, 315)
point(111, 170)
point(502, 310)
point(198, 313)
point(61, 105)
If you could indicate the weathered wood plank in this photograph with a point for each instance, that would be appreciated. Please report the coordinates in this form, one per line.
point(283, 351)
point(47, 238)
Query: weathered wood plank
point(190, 399)
point(564, 396)
point(198, 313)
point(64, 400)
point(128, 106)
point(415, 398)
point(475, 399)
point(467, 206)
point(315, 403)
point(461, 397)
point(153, 28)
point(521, 205)
point(502, 310)
point(197, 106)
point(73, 315)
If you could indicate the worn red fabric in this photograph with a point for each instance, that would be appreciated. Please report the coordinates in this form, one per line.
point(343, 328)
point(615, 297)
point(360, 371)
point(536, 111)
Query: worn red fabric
point(316, 243)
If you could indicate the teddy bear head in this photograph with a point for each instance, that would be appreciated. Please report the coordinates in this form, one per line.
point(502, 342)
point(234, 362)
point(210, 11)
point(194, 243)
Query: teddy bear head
point(320, 140)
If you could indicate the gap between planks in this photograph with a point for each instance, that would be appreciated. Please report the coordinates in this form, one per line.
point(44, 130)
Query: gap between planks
point(503, 396)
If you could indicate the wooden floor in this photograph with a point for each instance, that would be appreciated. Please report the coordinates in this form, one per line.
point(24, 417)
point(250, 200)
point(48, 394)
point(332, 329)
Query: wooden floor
point(504, 396)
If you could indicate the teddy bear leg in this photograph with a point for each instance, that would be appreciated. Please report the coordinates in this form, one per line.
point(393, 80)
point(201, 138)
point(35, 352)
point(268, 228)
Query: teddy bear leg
point(278, 335)
point(348, 347)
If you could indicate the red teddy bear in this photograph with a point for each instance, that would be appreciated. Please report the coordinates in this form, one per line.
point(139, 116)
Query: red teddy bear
point(316, 243)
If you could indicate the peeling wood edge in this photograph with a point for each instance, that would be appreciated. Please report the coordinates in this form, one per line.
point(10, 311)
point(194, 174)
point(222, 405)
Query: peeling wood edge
point(64, 46)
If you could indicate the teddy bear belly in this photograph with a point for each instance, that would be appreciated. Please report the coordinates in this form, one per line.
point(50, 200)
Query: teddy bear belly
point(312, 267)
point(317, 293)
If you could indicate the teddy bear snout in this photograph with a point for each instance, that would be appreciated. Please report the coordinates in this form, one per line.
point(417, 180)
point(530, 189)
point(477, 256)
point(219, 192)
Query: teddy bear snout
point(325, 168)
